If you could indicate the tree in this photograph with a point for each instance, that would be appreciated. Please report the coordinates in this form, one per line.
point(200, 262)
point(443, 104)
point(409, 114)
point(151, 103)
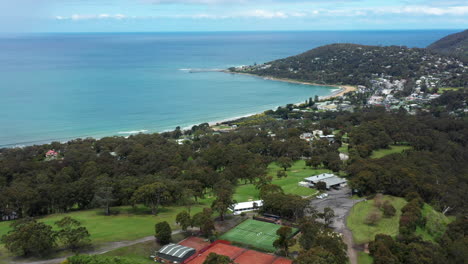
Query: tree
point(183, 219)
point(327, 216)
point(284, 240)
point(315, 161)
point(29, 238)
point(373, 217)
point(280, 174)
point(309, 231)
point(204, 221)
point(151, 195)
point(388, 209)
point(72, 234)
point(214, 258)
point(223, 201)
point(265, 190)
point(316, 255)
point(163, 233)
point(103, 195)
point(285, 162)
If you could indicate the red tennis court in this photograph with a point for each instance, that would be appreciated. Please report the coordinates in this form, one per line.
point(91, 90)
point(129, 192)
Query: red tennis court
point(256, 257)
point(195, 242)
point(239, 255)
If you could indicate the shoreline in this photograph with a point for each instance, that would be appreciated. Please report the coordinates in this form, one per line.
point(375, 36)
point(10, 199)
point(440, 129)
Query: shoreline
point(341, 90)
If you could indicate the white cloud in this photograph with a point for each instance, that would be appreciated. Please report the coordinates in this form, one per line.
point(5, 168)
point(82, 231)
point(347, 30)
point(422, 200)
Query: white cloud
point(77, 17)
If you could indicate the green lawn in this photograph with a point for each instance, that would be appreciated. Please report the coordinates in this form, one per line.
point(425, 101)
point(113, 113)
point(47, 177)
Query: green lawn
point(377, 154)
point(436, 222)
point(363, 233)
point(140, 252)
point(254, 233)
point(344, 148)
point(364, 258)
point(129, 224)
point(296, 173)
point(450, 89)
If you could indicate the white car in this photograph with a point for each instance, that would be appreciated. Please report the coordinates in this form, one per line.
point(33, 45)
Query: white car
point(321, 196)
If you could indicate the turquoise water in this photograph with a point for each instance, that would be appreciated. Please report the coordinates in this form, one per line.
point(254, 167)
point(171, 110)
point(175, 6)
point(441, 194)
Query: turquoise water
point(63, 86)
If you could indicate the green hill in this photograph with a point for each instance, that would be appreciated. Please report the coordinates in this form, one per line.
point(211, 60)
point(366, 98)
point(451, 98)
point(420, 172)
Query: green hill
point(359, 64)
point(453, 45)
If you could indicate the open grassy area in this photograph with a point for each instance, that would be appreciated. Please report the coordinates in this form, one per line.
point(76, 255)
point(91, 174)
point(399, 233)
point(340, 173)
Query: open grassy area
point(450, 89)
point(254, 233)
point(436, 222)
point(140, 252)
point(377, 154)
point(128, 224)
point(363, 233)
point(296, 173)
point(364, 258)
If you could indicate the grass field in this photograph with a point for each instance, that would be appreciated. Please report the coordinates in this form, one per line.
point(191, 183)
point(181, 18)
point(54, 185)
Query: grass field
point(128, 224)
point(363, 233)
point(296, 173)
point(377, 154)
point(364, 258)
point(254, 233)
point(436, 222)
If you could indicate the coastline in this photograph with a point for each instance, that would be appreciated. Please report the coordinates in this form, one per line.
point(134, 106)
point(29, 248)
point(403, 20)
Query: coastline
point(343, 89)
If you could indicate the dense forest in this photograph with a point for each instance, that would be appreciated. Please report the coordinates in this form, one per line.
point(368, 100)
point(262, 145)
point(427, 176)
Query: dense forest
point(358, 65)
point(454, 45)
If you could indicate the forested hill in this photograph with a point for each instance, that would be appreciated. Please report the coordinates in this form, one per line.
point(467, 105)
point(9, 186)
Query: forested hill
point(358, 65)
point(454, 45)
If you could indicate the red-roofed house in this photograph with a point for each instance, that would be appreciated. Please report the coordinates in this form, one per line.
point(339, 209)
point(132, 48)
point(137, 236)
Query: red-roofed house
point(51, 154)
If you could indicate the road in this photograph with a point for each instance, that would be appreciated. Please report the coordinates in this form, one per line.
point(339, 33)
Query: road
point(340, 201)
point(103, 249)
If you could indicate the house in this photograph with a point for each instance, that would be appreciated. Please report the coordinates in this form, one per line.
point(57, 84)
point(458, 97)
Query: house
point(174, 253)
point(245, 207)
point(307, 136)
point(331, 180)
point(51, 154)
point(330, 138)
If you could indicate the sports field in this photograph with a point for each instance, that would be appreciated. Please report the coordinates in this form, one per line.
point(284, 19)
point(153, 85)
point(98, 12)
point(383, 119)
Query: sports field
point(254, 233)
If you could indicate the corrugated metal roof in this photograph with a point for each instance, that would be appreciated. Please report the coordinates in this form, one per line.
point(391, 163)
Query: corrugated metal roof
point(319, 177)
point(174, 250)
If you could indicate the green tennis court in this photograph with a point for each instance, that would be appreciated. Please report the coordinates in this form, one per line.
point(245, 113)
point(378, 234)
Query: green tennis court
point(254, 233)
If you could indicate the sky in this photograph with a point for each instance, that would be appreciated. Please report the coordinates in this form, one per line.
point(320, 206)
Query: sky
point(229, 15)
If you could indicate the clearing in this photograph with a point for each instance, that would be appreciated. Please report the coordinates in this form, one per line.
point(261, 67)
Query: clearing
point(377, 154)
point(297, 173)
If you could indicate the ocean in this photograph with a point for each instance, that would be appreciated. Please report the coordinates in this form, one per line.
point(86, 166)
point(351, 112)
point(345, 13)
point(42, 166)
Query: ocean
point(56, 87)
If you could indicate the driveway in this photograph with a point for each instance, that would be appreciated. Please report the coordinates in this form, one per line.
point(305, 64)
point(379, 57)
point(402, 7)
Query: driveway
point(341, 203)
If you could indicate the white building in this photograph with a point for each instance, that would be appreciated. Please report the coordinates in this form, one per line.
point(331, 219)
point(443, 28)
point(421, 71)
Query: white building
point(245, 207)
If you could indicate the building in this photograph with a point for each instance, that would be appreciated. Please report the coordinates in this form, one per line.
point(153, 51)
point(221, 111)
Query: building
point(51, 154)
point(306, 136)
point(331, 180)
point(174, 253)
point(246, 207)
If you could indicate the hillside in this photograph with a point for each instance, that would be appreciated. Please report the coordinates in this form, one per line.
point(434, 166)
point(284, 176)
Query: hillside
point(359, 65)
point(453, 45)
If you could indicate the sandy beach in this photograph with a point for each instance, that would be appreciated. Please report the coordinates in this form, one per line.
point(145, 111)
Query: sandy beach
point(343, 89)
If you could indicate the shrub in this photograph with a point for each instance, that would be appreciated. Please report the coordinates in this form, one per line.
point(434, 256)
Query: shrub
point(388, 209)
point(373, 217)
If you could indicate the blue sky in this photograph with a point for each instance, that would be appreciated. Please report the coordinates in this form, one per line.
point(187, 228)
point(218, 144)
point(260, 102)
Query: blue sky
point(229, 15)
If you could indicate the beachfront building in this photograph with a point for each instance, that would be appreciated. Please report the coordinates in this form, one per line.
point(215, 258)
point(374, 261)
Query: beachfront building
point(238, 208)
point(51, 155)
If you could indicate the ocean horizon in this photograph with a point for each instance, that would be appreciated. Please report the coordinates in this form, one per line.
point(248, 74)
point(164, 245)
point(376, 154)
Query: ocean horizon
point(61, 86)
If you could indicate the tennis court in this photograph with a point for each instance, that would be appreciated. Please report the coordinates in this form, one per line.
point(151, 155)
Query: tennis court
point(254, 233)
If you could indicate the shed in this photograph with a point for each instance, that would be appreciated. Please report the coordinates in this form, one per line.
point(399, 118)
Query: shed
point(246, 206)
point(175, 253)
